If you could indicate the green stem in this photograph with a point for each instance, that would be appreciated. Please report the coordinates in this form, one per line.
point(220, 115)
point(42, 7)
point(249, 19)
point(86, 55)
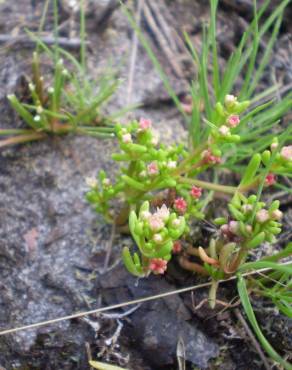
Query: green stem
point(210, 186)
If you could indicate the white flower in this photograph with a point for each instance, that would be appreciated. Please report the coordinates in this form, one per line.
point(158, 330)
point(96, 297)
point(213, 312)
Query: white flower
point(145, 215)
point(127, 138)
point(176, 223)
point(163, 213)
point(224, 130)
point(171, 165)
point(230, 100)
point(91, 182)
point(106, 182)
point(155, 137)
point(157, 238)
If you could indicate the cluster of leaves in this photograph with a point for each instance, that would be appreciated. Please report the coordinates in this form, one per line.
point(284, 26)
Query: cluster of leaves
point(63, 107)
point(166, 175)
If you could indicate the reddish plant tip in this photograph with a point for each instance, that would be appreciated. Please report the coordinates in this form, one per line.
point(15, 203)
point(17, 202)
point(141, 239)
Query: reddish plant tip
point(145, 124)
point(270, 179)
point(196, 192)
point(158, 265)
point(177, 247)
point(180, 205)
point(209, 158)
point(233, 120)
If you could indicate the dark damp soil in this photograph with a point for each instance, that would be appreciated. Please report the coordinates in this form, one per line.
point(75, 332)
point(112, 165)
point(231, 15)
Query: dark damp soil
point(52, 246)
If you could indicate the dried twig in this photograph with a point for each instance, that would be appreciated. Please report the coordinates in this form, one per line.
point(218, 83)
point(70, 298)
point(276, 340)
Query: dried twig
point(72, 43)
point(129, 303)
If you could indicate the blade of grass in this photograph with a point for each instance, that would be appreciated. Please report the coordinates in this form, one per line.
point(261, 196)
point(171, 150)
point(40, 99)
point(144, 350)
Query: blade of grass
point(243, 293)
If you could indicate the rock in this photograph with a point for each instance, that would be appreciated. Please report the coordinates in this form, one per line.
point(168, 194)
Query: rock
point(157, 326)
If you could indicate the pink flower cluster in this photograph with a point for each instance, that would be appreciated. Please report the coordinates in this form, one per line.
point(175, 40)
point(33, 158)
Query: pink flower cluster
point(158, 265)
point(233, 120)
point(209, 158)
point(156, 221)
point(145, 124)
point(180, 205)
point(196, 192)
point(270, 179)
point(286, 153)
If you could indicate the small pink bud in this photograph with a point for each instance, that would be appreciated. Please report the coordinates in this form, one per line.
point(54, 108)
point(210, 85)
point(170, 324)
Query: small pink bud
point(233, 120)
point(274, 146)
point(127, 138)
point(286, 153)
point(233, 227)
point(106, 182)
point(225, 229)
point(276, 215)
point(224, 130)
point(180, 205)
point(270, 179)
point(155, 223)
point(158, 265)
point(209, 158)
point(248, 228)
point(177, 248)
point(145, 124)
point(196, 192)
point(262, 216)
point(152, 169)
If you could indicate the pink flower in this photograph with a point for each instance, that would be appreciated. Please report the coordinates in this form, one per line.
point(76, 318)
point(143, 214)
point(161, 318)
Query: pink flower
point(233, 120)
point(158, 265)
point(145, 124)
point(176, 248)
point(270, 179)
point(163, 213)
point(152, 169)
point(155, 223)
point(209, 158)
point(286, 153)
point(127, 138)
point(180, 205)
point(196, 192)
